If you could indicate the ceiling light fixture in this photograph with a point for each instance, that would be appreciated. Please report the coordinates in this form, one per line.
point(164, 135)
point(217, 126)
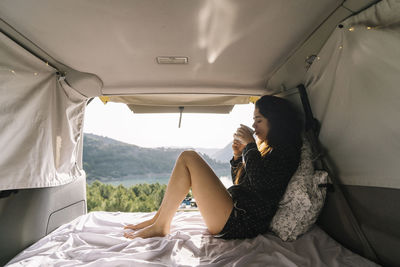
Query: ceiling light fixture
point(172, 60)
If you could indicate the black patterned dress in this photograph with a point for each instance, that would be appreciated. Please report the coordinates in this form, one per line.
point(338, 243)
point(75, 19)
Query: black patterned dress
point(261, 186)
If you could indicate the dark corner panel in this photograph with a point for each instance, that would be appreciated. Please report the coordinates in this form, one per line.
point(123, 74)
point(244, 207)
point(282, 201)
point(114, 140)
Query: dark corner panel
point(376, 210)
point(26, 215)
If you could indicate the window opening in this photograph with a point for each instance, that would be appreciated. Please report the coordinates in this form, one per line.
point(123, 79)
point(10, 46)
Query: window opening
point(128, 157)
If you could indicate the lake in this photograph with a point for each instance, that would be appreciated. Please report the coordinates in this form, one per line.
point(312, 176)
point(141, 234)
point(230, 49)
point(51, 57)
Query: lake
point(128, 181)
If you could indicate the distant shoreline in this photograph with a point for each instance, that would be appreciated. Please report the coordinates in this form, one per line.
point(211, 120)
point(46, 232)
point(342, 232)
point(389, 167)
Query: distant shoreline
point(131, 180)
point(149, 178)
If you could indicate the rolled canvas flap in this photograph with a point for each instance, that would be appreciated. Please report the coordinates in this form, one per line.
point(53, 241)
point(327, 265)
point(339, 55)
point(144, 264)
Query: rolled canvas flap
point(41, 122)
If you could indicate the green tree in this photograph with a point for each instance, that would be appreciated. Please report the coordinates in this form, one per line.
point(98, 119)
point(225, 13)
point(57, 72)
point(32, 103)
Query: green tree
point(138, 198)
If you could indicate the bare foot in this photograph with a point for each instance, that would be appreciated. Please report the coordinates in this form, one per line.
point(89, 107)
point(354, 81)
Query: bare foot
point(150, 231)
point(140, 225)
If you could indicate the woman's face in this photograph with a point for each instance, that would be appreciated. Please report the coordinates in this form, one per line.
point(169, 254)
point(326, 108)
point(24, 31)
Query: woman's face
point(260, 125)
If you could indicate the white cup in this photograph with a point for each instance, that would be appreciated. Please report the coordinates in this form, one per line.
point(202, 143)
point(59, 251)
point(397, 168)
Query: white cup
point(245, 127)
point(251, 130)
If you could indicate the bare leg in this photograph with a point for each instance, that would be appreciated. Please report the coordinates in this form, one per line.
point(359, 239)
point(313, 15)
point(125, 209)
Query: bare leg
point(214, 202)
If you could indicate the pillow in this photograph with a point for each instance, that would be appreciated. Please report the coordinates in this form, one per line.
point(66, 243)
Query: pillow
point(303, 200)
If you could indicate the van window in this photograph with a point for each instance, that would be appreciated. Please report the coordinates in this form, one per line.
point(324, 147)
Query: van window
point(128, 157)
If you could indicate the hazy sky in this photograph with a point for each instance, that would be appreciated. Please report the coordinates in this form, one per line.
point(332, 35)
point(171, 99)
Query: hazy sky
point(115, 120)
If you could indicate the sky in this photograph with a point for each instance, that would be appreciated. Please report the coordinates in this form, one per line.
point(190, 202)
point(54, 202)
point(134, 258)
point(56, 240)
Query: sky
point(117, 121)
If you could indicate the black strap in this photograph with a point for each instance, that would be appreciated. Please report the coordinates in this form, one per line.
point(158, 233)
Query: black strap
point(312, 128)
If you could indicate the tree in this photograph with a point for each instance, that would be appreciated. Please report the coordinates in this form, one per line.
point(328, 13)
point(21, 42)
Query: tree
point(138, 198)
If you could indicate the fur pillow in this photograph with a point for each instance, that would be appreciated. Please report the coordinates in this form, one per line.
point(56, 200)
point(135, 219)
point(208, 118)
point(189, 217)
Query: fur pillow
point(303, 200)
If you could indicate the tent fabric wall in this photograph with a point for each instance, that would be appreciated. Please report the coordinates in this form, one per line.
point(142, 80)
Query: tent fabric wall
point(41, 121)
point(353, 86)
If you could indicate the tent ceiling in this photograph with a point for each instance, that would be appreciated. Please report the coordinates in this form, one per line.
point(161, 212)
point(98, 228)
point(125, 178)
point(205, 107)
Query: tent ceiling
point(232, 45)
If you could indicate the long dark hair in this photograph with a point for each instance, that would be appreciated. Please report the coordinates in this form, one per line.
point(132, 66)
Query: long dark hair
point(285, 126)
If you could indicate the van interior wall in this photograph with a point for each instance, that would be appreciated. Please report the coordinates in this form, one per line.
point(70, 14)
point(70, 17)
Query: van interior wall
point(353, 90)
point(375, 209)
point(30, 214)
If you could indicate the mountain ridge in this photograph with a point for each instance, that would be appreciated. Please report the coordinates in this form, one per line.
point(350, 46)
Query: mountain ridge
point(107, 159)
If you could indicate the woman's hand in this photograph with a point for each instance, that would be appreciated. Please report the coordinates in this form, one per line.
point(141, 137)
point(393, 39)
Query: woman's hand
point(244, 135)
point(237, 148)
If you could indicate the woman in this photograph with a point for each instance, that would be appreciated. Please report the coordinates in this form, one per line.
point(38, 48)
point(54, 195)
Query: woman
point(260, 173)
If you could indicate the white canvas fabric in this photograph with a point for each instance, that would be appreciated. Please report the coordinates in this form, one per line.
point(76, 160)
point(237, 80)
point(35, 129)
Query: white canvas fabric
point(353, 87)
point(171, 103)
point(41, 120)
point(96, 239)
point(233, 47)
point(173, 100)
point(303, 200)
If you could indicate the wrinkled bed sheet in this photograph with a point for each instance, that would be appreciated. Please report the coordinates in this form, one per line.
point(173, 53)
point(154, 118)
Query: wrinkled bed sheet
point(96, 239)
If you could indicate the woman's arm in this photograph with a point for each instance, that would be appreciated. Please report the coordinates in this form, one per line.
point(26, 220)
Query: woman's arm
point(237, 149)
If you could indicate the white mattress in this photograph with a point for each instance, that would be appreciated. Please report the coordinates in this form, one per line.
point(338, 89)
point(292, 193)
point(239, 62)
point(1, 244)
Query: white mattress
point(96, 239)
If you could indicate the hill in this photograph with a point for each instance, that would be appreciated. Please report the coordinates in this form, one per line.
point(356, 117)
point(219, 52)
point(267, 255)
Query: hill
point(106, 159)
point(208, 151)
point(224, 155)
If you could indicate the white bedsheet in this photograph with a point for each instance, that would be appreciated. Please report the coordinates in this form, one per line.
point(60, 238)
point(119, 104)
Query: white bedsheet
point(96, 239)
